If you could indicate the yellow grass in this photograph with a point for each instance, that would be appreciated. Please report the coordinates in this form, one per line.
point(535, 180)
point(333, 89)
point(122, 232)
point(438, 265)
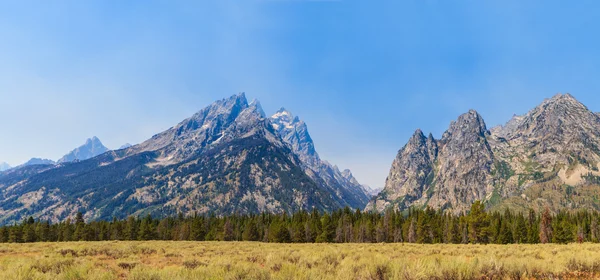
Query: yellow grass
point(247, 260)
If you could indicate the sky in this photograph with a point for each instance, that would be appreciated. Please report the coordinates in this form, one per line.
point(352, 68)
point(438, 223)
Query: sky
point(363, 75)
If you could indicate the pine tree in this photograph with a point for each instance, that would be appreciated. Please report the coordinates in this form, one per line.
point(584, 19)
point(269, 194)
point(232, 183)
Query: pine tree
point(506, 236)
point(533, 229)
point(520, 230)
point(146, 231)
point(328, 230)
point(29, 233)
point(15, 234)
point(79, 233)
point(250, 231)
point(3, 234)
point(68, 231)
point(131, 229)
point(563, 233)
point(478, 222)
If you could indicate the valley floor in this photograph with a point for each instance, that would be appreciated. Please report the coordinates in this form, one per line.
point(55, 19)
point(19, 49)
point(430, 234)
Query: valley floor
point(248, 260)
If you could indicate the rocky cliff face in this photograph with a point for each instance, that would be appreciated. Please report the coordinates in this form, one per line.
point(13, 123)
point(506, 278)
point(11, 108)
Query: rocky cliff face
point(225, 159)
point(342, 184)
point(539, 159)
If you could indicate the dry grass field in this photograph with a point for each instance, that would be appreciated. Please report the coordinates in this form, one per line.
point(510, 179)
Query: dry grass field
point(247, 260)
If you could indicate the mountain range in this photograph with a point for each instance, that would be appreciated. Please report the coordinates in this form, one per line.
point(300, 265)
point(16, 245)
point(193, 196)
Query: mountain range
point(549, 157)
point(231, 158)
point(227, 158)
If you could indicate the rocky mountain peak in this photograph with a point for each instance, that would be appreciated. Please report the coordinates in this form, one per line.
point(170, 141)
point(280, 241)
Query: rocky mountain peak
point(283, 117)
point(295, 132)
point(92, 147)
point(224, 119)
point(467, 123)
point(557, 119)
point(418, 138)
point(258, 108)
point(562, 106)
point(444, 173)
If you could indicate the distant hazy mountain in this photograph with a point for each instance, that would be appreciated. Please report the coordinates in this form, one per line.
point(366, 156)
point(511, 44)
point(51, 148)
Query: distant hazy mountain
point(341, 183)
point(92, 147)
point(371, 191)
point(4, 166)
point(125, 146)
point(227, 158)
point(38, 161)
point(549, 157)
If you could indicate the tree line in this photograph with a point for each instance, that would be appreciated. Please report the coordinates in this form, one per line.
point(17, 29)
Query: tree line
point(341, 226)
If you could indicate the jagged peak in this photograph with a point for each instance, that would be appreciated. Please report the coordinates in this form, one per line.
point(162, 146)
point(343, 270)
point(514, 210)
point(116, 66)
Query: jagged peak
point(93, 140)
point(239, 99)
point(418, 138)
point(563, 100)
point(418, 134)
point(256, 105)
point(282, 110)
point(472, 117)
point(562, 106)
point(565, 96)
point(284, 114)
point(240, 95)
point(230, 106)
point(469, 122)
point(430, 137)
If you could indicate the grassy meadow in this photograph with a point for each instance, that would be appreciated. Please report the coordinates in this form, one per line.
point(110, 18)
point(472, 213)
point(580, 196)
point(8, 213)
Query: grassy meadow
point(251, 260)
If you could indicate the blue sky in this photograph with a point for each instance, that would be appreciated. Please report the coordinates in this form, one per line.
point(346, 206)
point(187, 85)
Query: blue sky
point(363, 74)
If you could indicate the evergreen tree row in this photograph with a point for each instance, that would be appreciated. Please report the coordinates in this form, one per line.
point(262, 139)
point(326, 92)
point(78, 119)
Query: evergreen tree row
point(344, 225)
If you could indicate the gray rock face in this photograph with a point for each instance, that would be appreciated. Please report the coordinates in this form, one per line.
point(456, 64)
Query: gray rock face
point(92, 147)
point(410, 173)
point(341, 183)
point(554, 145)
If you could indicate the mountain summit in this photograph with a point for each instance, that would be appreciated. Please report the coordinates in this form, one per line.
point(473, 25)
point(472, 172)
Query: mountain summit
point(92, 147)
point(533, 160)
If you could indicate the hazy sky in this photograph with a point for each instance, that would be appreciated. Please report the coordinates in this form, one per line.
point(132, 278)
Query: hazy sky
point(362, 74)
